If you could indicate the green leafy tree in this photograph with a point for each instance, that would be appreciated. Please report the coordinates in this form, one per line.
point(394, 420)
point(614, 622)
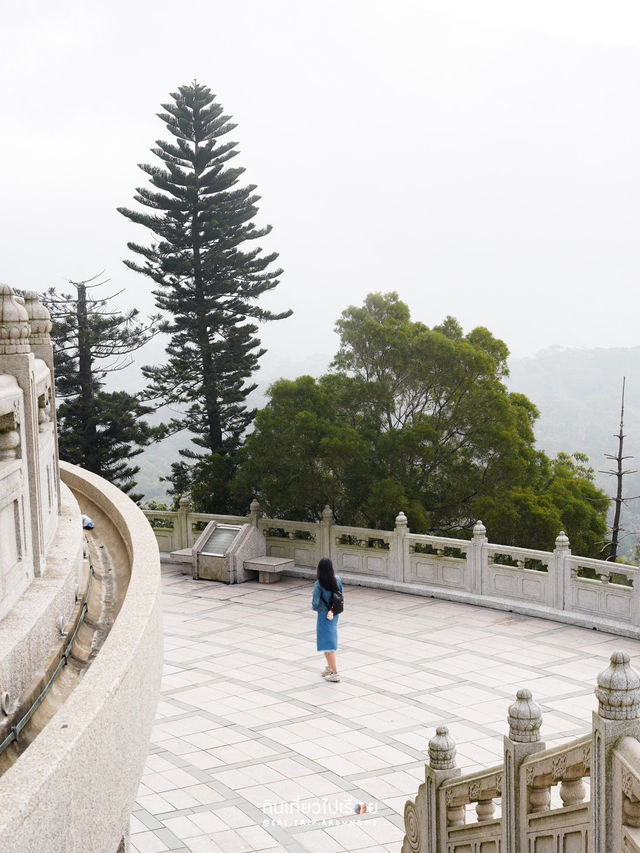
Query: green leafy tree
point(208, 276)
point(416, 419)
point(98, 430)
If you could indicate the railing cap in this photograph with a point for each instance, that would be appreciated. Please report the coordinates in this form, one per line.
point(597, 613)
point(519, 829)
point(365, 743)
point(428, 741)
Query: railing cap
point(39, 318)
point(525, 718)
point(479, 529)
point(618, 690)
point(562, 540)
point(442, 750)
point(14, 323)
point(327, 513)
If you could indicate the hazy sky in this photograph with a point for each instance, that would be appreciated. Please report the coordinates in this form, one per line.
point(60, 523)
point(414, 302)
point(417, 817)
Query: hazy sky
point(481, 158)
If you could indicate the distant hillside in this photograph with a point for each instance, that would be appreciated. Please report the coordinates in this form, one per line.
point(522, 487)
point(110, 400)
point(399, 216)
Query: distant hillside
point(577, 392)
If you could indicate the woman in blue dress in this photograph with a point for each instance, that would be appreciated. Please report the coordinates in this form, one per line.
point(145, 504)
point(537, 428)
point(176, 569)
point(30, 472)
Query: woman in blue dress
point(327, 622)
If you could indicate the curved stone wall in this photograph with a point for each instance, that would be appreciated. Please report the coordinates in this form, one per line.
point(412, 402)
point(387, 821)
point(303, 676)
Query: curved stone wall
point(29, 632)
point(72, 790)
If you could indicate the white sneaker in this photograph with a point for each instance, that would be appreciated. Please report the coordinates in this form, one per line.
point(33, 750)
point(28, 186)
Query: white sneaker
point(326, 671)
point(333, 677)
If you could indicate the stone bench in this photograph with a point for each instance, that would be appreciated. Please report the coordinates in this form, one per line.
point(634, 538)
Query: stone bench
point(269, 568)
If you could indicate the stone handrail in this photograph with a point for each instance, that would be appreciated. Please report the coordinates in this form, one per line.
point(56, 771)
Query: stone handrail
point(474, 571)
point(530, 819)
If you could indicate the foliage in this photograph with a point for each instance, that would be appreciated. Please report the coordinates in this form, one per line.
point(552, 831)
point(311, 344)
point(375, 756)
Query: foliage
point(419, 420)
point(98, 430)
point(207, 284)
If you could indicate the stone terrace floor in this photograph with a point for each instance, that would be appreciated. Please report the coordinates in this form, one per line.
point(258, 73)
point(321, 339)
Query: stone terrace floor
point(253, 751)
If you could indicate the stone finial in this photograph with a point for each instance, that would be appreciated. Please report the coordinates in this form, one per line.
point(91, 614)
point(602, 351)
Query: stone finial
point(39, 318)
point(479, 530)
point(442, 750)
point(184, 503)
point(525, 718)
point(401, 523)
point(618, 689)
point(562, 541)
point(327, 514)
point(14, 324)
point(254, 507)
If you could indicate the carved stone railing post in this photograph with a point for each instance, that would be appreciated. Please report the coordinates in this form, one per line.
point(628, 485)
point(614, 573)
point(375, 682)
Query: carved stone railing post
point(425, 825)
point(17, 360)
point(525, 719)
point(442, 766)
point(476, 556)
point(618, 694)
point(326, 523)
point(254, 513)
point(182, 523)
point(399, 548)
point(42, 348)
point(559, 569)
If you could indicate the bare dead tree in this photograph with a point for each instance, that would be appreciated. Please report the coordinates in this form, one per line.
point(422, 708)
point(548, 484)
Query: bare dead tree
point(618, 473)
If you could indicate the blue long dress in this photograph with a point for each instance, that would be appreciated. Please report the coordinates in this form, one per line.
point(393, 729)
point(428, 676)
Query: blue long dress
point(326, 629)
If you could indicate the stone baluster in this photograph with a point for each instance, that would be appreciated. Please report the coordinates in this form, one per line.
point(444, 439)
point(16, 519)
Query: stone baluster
point(630, 810)
point(539, 794)
point(485, 809)
point(525, 720)
point(10, 433)
point(618, 715)
point(572, 788)
point(455, 810)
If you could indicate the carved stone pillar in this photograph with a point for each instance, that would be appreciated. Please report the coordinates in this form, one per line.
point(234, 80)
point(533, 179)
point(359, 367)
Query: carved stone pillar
point(475, 558)
point(525, 719)
point(324, 545)
point(558, 567)
point(442, 766)
point(399, 550)
point(618, 694)
point(17, 360)
point(182, 523)
point(254, 513)
point(40, 343)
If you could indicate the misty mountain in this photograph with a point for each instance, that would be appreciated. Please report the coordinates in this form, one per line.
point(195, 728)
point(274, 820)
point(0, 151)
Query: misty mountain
point(578, 395)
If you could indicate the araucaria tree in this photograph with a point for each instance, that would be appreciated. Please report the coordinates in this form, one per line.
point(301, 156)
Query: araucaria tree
point(98, 430)
point(208, 279)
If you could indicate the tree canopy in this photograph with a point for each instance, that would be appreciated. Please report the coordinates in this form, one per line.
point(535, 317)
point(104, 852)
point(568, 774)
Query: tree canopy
point(416, 419)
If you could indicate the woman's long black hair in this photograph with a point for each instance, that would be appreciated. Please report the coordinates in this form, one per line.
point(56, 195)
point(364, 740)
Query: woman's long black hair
point(326, 575)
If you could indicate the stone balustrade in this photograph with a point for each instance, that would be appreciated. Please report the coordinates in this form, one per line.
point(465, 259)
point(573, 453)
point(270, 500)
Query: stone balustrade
point(30, 497)
point(552, 584)
point(580, 797)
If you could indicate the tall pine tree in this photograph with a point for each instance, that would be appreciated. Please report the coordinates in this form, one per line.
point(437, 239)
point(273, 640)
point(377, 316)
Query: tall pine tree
point(98, 430)
point(208, 280)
